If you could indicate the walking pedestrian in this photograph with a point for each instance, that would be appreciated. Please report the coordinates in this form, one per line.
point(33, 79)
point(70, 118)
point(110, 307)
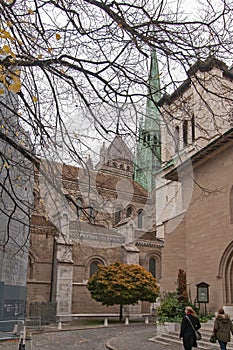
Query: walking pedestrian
point(223, 328)
point(189, 322)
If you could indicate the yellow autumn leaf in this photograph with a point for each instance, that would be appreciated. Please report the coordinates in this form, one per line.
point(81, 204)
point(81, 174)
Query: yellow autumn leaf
point(58, 36)
point(30, 11)
point(2, 91)
point(34, 99)
point(39, 57)
point(15, 87)
point(17, 72)
point(7, 49)
point(50, 49)
point(6, 35)
point(6, 166)
point(9, 23)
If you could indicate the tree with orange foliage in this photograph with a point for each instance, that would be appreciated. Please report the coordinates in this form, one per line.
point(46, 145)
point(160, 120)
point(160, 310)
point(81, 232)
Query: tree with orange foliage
point(122, 284)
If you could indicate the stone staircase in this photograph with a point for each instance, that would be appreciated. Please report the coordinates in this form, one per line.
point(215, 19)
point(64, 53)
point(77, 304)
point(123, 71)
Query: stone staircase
point(172, 337)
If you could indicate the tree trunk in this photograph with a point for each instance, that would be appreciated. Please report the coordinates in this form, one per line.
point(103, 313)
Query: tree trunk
point(121, 312)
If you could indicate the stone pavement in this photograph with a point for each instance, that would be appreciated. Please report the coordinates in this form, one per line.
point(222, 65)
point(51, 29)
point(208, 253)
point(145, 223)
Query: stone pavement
point(138, 338)
point(118, 337)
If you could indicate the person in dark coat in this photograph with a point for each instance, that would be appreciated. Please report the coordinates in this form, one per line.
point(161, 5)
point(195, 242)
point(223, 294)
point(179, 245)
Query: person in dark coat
point(186, 330)
point(223, 328)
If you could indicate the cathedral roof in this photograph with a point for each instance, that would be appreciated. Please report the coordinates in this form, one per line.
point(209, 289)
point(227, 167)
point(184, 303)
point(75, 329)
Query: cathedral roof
point(202, 66)
point(119, 150)
point(109, 182)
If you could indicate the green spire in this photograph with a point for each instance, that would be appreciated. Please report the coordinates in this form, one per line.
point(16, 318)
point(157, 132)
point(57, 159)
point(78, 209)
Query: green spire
point(152, 120)
point(148, 154)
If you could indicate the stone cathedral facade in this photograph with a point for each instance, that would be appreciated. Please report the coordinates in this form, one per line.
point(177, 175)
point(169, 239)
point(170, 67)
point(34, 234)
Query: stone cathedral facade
point(174, 211)
point(114, 222)
point(194, 187)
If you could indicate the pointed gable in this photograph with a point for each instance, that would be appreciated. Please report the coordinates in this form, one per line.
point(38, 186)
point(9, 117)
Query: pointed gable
point(119, 150)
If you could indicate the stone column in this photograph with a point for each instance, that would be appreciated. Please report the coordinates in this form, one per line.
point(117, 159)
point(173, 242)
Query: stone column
point(63, 269)
point(63, 278)
point(131, 256)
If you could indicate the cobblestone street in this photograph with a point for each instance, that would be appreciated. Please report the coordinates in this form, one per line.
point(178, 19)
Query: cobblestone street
point(131, 337)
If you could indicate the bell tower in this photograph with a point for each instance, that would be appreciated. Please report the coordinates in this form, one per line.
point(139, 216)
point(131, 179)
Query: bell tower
point(148, 153)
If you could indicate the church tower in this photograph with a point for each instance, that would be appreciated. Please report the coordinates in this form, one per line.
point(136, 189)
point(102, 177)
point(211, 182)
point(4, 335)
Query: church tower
point(148, 154)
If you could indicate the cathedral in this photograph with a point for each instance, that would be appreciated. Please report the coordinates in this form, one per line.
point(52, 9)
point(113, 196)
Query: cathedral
point(114, 222)
point(167, 207)
point(171, 207)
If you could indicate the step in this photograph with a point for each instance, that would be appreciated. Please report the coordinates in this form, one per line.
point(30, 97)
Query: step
point(168, 341)
point(204, 343)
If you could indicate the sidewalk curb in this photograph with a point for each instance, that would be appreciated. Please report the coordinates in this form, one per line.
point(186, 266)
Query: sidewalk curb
point(109, 346)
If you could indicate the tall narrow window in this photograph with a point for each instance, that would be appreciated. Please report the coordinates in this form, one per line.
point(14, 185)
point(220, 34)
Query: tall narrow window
point(185, 133)
point(177, 139)
point(152, 266)
point(144, 139)
point(117, 215)
point(129, 212)
point(193, 128)
point(30, 268)
point(91, 213)
point(79, 203)
point(94, 266)
point(140, 219)
point(231, 205)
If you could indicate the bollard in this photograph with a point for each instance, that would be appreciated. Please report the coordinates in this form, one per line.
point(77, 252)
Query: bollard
point(106, 322)
point(15, 329)
point(146, 320)
point(126, 321)
point(59, 325)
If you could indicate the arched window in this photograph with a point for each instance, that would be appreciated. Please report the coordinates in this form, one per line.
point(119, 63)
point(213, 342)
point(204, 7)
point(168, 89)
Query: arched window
point(144, 139)
point(117, 215)
point(79, 203)
point(177, 139)
point(94, 266)
point(121, 167)
point(114, 164)
point(129, 212)
point(91, 213)
point(152, 266)
point(231, 205)
point(185, 133)
point(140, 219)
